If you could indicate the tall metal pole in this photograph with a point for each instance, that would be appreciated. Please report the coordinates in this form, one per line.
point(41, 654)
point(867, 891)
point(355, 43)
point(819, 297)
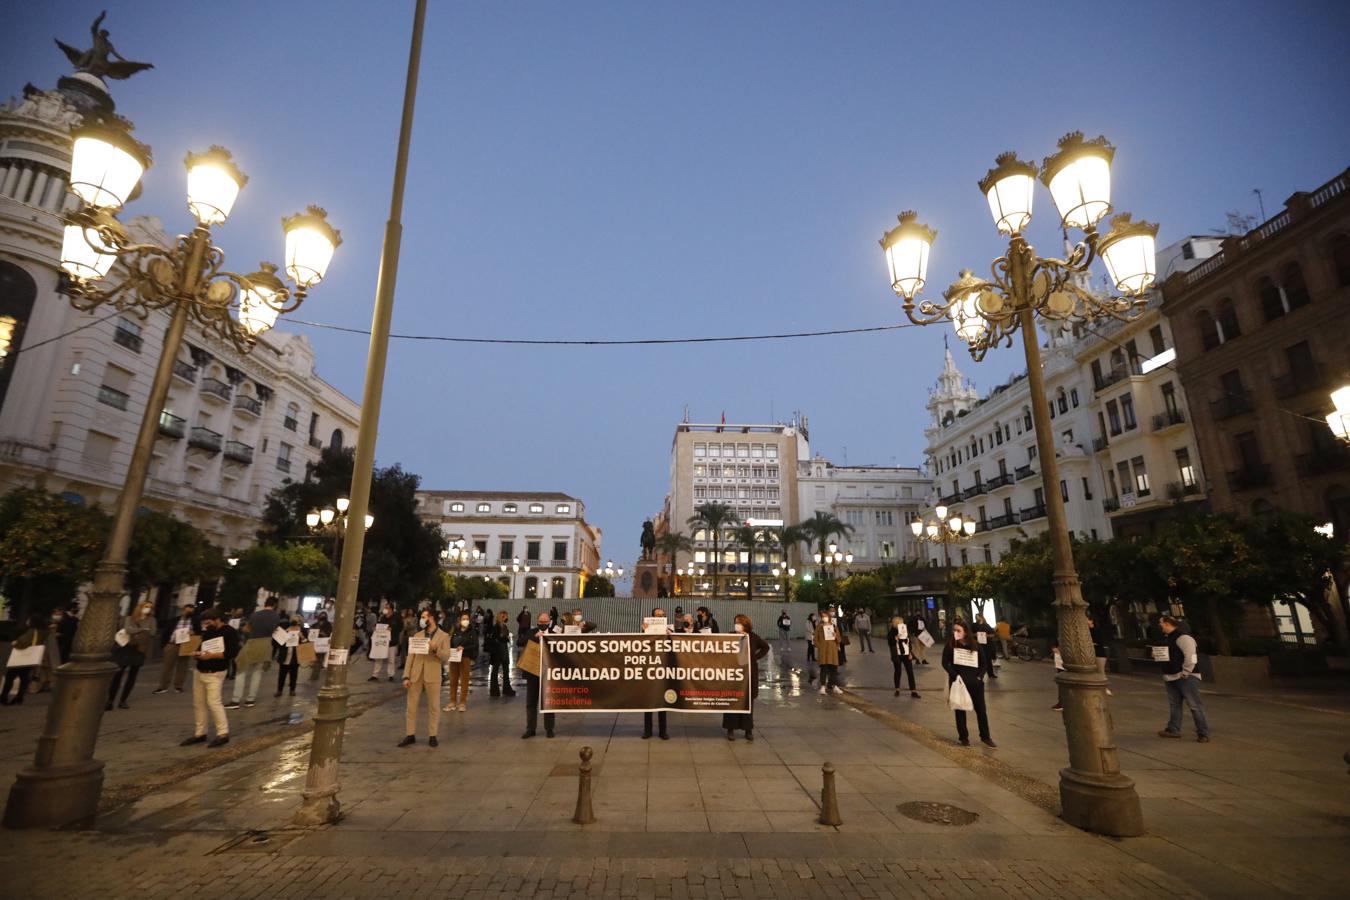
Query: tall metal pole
point(320, 804)
point(64, 783)
point(1093, 794)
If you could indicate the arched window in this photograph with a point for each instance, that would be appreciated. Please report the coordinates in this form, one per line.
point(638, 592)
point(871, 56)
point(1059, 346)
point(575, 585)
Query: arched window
point(558, 588)
point(17, 293)
point(1295, 288)
point(1208, 330)
point(531, 586)
point(335, 442)
point(1272, 301)
point(1340, 258)
point(1227, 320)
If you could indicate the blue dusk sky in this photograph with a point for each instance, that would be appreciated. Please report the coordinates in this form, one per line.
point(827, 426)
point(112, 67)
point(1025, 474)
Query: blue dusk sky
point(629, 170)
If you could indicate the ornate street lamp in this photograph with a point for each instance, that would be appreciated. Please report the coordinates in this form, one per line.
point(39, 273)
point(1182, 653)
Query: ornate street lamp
point(186, 280)
point(333, 521)
point(516, 568)
point(459, 555)
point(832, 559)
point(1338, 420)
point(943, 529)
point(985, 313)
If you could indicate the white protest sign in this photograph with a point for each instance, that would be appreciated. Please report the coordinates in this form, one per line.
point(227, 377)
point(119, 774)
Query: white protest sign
point(379, 644)
point(214, 645)
point(280, 635)
point(787, 622)
point(567, 629)
point(654, 625)
point(336, 657)
point(966, 658)
point(292, 639)
point(121, 638)
point(29, 656)
point(417, 646)
point(903, 631)
point(182, 634)
point(981, 637)
point(925, 638)
point(321, 644)
point(456, 653)
point(1161, 654)
point(381, 627)
point(234, 623)
point(828, 632)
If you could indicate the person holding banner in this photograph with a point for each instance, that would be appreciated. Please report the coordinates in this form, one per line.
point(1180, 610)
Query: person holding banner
point(383, 641)
point(463, 652)
point(828, 640)
point(427, 652)
point(175, 666)
point(759, 648)
point(918, 646)
point(529, 666)
point(656, 625)
point(131, 647)
point(30, 644)
point(287, 655)
point(219, 644)
point(965, 667)
point(897, 637)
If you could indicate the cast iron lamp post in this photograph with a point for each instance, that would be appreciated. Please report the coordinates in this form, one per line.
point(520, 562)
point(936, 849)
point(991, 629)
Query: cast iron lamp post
point(334, 521)
point(832, 559)
point(459, 555)
point(516, 568)
point(186, 280)
point(944, 530)
point(1022, 286)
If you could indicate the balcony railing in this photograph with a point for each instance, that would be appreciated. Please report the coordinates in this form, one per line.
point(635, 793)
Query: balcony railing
point(283, 464)
point(1002, 521)
point(1231, 405)
point(127, 338)
point(1176, 489)
point(214, 387)
point(1249, 476)
point(1322, 460)
point(112, 397)
point(1102, 382)
point(1023, 472)
point(1033, 512)
point(172, 426)
point(1110, 504)
point(289, 423)
point(1168, 418)
point(1099, 444)
point(184, 371)
point(315, 442)
point(999, 481)
point(248, 404)
point(238, 452)
point(1299, 382)
point(205, 439)
point(949, 499)
point(972, 492)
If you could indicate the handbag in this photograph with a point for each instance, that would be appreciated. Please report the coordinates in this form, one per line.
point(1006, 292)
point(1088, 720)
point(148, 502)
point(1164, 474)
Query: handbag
point(959, 697)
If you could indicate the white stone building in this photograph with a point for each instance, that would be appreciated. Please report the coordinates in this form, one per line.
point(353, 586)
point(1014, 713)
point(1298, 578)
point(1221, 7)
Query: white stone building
point(545, 530)
point(73, 385)
point(878, 502)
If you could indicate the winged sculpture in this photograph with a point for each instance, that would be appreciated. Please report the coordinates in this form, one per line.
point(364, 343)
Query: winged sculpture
point(102, 59)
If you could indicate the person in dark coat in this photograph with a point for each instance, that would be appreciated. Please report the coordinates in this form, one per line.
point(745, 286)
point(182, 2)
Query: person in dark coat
point(498, 646)
point(961, 658)
point(529, 667)
point(759, 648)
point(67, 622)
point(898, 641)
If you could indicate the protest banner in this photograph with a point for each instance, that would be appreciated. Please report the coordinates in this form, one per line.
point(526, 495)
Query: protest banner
point(695, 673)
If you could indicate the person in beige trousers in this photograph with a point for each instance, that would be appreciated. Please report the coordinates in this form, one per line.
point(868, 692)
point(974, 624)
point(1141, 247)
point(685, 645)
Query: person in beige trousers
point(422, 676)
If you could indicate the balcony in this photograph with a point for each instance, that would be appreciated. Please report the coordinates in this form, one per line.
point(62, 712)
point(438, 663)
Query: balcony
point(283, 464)
point(975, 491)
point(214, 387)
point(1249, 476)
point(1176, 490)
point(1300, 382)
point(172, 426)
point(1231, 405)
point(250, 405)
point(1099, 444)
point(315, 442)
point(1102, 382)
point(1024, 472)
point(184, 371)
point(112, 397)
point(1110, 504)
point(289, 423)
point(1322, 460)
point(1033, 512)
point(998, 481)
point(125, 337)
point(1002, 521)
point(1168, 419)
point(950, 499)
point(239, 452)
point(205, 439)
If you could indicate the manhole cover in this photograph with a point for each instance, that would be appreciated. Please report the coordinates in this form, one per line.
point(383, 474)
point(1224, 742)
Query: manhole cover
point(939, 813)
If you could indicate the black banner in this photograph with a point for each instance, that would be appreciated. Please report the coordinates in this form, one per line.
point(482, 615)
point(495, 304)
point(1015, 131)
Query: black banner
point(696, 673)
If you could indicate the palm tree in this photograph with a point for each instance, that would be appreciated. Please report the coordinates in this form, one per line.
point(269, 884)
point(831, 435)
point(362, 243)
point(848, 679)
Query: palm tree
point(712, 518)
point(673, 543)
point(788, 537)
point(820, 528)
point(748, 537)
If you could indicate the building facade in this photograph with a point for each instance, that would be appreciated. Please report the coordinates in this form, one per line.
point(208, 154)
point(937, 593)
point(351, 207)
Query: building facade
point(73, 385)
point(1261, 337)
point(544, 530)
point(877, 502)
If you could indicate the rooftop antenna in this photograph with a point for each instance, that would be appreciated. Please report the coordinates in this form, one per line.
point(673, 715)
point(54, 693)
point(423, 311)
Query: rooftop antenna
point(1261, 201)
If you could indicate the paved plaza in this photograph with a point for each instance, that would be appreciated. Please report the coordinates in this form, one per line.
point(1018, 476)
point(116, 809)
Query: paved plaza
point(1264, 810)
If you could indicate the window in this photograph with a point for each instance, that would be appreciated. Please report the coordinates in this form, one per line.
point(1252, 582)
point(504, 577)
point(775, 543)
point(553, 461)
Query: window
point(560, 551)
point(456, 507)
point(536, 508)
point(1066, 437)
point(1184, 468)
point(292, 420)
point(482, 548)
point(1026, 417)
point(1208, 329)
point(116, 388)
point(531, 586)
point(484, 507)
point(1340, 259)
point(98, 449)
point(1064, 490)
point(700, 451)
point(887, 550)
point(757, 451)
point(700, 493)
point(988, 554)
point(1073, 397)
point(1272, 299)
point(1228, 321)
point(558, 589)
point(1155, 334)
point(563, 509)
point(1141, 485)
point(770, 452)
point(1126, 485)
point(509, 507)
point(1113, 413)
point(855, 517)
point(1063, 401)
point(1294, 287)
point(772, 472)
point(532, 550)
point(508, 549)
point(965, 557)
point(1249, 451)
point(1302, 367)
point(335, 439)
point(1087, 490)
point(313, 423)
point(1127, 411)
point(284, 456)
point(127, 333)
point(1169, 399)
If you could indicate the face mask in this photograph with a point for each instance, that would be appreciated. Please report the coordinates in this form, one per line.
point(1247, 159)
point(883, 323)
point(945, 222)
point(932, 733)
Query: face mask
point(740, 627)
point(426, 623)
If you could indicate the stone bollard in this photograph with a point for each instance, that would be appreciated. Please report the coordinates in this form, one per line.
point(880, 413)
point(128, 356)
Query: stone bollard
point(829, 801)
point(584, 814)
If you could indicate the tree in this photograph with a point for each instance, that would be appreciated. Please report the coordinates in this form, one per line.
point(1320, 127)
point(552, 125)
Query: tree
point(305, 570)
point(965, 583)
point(598, 586)
point(713, 518)
point(1023, 577)
point(1117, 574)
point(671, 544)
point(48, 547)
point(820, 528)
point(1206, 563)
point(1298, 566)
point(749, 538)
point(167, 551)
point(789, 536)
point(254, 570)
point(865, 590)
point(401, 554)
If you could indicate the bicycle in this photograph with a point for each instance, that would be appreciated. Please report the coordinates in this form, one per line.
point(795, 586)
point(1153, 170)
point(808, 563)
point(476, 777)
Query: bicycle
point(1026, 651)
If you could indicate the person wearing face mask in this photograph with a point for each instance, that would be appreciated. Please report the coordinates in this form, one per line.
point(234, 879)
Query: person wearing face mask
point(422, 676)
point(219, 644)
point(288, 662)
point(529, 666)
point(657, 613)
point(498, 646)
point(255, 655)
point(705, 623)
point(827, 640)
point(686, 625)
point(759, 648)
point(175, 666)
point(139, 628)
point(464, 639)
point(961, 658)
point(898, 639)
point(390, 619)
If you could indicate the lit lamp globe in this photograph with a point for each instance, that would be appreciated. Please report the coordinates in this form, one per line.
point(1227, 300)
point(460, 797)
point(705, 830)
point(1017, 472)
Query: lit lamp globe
point(932, 531)
point(940, 511)
point(1339, 419)
point(370, 520)
point(969, 527)
point(1079, 178)
point(906, 247)
point(326, 515)
point(105, 165)
point(955, 524)
point(917, 527)
point(214, 182)
point(965, 310)
point(1129, 253)
point(257, 309)
point(310, 243)
point(85, 256)
point(1009, 188)
point(343, 503)
point(312, 519)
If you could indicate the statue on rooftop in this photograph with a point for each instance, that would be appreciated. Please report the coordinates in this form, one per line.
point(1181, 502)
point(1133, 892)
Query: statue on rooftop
point(101, 60)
